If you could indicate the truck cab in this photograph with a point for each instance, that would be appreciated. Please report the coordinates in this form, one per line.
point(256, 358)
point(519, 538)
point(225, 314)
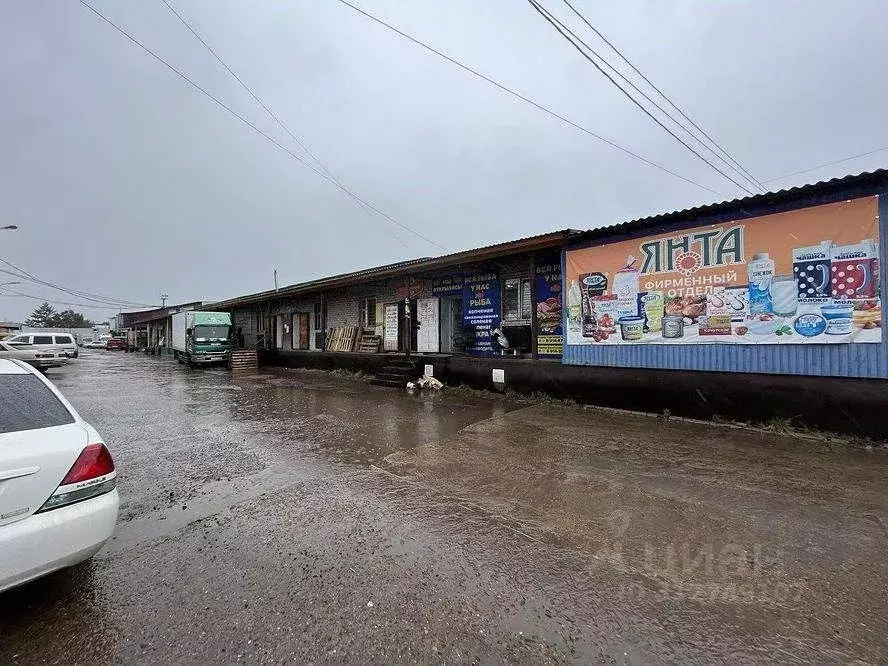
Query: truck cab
point(202, 337)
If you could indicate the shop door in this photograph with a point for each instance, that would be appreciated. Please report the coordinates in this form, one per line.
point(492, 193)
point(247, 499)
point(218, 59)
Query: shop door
point(301, 330)
point(451, 324)
point(408, 336)
point(427, 320)
point(279, 332)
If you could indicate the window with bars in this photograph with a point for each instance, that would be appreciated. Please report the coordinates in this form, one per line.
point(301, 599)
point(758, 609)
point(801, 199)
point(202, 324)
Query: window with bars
point(516, 299)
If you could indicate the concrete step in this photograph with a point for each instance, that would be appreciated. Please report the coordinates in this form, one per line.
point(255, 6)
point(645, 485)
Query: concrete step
point(393, 376)
point(390, 383)
point(397, 369)
point(402, 363)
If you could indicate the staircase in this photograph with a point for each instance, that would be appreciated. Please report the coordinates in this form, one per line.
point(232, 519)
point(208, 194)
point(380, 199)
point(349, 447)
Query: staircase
point(395, 374)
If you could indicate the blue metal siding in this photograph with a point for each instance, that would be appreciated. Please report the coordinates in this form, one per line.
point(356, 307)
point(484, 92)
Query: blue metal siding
point(826, 360)
point(831, 360)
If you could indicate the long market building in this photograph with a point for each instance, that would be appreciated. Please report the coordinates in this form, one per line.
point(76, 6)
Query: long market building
point(764, 306)
point(437, 307)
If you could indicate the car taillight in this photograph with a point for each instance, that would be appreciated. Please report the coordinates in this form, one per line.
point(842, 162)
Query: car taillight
point(91, 475)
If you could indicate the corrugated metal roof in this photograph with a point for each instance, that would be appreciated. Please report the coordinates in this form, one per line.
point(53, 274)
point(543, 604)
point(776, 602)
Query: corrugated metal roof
point(557, 238)
point(404, 268)
point(128, 319)
point(825, 187)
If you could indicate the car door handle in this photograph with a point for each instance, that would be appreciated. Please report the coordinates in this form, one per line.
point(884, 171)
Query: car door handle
point(7, 474)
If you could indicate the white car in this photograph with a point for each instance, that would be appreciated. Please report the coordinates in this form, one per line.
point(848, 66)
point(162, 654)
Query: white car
point(63, 341)
point(97, 343)
point(58, 495)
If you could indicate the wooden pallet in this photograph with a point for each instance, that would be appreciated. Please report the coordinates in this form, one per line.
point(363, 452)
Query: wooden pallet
point(332, 339)
point(343, 338)
point(243, 359)
point(369, 344)
point(350, 338)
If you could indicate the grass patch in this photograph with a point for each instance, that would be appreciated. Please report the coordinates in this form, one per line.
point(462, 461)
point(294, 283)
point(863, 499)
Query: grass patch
point(537, 397)
point(354, 375)
point(781, 424)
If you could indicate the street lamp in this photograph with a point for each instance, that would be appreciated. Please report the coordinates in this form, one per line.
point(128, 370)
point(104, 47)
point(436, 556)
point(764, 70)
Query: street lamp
point(9, 227)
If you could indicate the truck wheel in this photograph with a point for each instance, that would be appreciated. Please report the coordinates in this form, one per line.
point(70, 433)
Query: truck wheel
point(188, 361)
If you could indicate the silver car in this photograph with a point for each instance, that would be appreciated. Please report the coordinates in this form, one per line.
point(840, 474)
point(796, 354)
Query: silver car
point(39, 358)
point(64, 341)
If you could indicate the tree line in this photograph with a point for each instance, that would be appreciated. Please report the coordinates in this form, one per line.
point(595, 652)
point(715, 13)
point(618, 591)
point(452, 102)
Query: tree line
point(45, 316)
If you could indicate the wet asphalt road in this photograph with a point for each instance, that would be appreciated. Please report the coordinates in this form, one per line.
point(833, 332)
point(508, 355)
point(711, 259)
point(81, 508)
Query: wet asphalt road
point(290, 515)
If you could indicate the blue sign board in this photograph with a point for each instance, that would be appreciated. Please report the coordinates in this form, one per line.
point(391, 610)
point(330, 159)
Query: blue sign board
point(481, 310)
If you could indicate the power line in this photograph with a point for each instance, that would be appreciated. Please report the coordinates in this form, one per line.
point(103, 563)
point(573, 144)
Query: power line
point(252, 126)
point(527, 100)
point(736, 165)
point(21, 273)
point(826, 164)
point(18, 294)
point(30, 277)
point(567, 33)
point(270, 113)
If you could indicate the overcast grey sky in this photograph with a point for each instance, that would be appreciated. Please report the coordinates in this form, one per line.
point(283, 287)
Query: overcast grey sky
point(127, 182)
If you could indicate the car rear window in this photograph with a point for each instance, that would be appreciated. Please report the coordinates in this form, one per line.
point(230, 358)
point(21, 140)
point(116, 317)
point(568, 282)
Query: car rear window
point(26, 403)
point(42, 339)
point(63, 339)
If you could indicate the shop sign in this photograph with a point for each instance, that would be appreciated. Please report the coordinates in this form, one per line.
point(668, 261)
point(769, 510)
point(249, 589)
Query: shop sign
point(451, 285)
point(412, 290)
point(481, 310)
point(390, 339)
point(808, 276)
point(548, 310)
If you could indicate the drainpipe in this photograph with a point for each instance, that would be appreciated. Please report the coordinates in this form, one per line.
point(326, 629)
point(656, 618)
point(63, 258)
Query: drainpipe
point(407, 330)
point(533, 301)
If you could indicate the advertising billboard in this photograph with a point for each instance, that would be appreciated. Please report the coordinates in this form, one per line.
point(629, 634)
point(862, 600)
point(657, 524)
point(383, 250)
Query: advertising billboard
point(808, 276)
point(548, 310)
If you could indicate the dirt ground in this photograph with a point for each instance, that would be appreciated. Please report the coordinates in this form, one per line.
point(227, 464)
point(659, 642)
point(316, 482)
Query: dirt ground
point(290, 515)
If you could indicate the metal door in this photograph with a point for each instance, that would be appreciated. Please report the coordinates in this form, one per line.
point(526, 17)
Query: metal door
point(427, 317)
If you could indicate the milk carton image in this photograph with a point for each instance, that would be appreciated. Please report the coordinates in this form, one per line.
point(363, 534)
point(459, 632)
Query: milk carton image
point(761, 272)
point(854, 271)
point(626, 288)
point(811, 269)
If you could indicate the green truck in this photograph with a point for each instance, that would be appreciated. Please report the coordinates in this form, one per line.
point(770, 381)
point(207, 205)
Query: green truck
point(201, 338)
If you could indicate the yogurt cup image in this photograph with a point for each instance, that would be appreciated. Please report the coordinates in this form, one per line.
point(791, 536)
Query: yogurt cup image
point(809, 324)
point(838, 318)
point(673, 326)
point(631, 328)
